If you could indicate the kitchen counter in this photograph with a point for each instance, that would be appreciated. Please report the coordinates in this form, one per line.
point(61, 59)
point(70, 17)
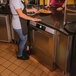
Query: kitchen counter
point(55, 47)
point(5, 22)
point(55, 20)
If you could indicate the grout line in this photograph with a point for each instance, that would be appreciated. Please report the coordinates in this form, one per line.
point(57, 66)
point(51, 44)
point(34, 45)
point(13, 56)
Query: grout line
point(41, 73)
point(8, 69)
point(24, 70)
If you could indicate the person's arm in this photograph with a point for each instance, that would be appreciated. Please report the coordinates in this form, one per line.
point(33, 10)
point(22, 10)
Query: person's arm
point(71, 10)
point(24, 16)
point(48, 4)
point(62, 7)
point(64, 4)
point(32, 10)
point(29, 10)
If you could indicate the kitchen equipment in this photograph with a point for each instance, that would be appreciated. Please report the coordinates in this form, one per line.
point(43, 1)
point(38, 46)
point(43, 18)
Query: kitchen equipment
point(65, 42)
point(43, 41)
point(3, 1)
point(63, 53)
point(5, 32)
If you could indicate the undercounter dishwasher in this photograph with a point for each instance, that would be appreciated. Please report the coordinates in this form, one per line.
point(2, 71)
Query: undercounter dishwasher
point(43, 41)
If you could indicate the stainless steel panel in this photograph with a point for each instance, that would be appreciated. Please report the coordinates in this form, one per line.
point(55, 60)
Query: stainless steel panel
point(5, 33)
point(3, 1)
point(44, 48)
point(47, 29)
point(63, 51)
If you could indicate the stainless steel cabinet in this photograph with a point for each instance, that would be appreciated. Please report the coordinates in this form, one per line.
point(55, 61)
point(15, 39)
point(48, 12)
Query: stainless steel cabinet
point(5, 31)
point(63, 53)
point(43, 47)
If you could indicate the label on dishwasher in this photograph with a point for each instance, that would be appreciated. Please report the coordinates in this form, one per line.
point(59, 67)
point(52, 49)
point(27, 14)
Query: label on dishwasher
point(50, 30)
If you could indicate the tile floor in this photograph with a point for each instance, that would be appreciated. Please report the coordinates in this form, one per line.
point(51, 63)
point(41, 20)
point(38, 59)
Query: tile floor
point(11, 66)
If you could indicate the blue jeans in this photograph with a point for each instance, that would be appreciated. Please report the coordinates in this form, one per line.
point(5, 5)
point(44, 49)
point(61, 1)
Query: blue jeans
point(21, 41)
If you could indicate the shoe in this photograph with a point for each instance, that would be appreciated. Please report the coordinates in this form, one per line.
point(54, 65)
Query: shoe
point(26, 52)
point(23, 57)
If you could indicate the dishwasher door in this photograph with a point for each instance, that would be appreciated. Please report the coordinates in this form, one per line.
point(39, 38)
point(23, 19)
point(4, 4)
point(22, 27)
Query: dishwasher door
point(43, 48)
point(5, 32)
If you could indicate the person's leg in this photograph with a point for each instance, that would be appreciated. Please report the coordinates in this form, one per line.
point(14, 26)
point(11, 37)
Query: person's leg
point(21, 41)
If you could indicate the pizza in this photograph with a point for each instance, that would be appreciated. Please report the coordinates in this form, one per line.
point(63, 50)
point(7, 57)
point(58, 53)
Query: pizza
point(44, 11)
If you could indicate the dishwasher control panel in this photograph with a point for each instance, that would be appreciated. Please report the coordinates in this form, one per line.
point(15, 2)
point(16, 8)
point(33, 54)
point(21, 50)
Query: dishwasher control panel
point(42, 27)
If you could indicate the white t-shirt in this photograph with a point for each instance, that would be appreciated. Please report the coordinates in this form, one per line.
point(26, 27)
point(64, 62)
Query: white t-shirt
point(16, 4)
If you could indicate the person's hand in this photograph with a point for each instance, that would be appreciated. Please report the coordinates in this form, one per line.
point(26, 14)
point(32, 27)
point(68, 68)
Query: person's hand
point(60, 9)
point(47, 6)
point(35, 10)
point(36, 19)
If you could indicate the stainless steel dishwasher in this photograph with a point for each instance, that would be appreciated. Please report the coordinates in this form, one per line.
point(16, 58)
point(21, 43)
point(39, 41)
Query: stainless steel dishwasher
point(43, 41)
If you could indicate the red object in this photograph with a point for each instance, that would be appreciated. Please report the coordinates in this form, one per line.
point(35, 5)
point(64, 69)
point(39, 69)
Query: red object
point(57, 3)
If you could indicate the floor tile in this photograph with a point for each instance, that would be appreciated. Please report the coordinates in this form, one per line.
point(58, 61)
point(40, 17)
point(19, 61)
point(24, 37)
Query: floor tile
point(32, 75)
point(12, 59)
point(2, 68)
point(3, 54)
point(2, 60)
point(30, 68)
point(6, 72)
point(44, 74)
point(57, 73)
point(25, 73)
point(6, 51)
point(24, 65)
point(28, 61)
point(1, 50)
point(18, 70)
point(37, 72)
point(0, 74)
point(18, 62)
point(34, 64)
point(6, 64)
point(12, 74)
point(51, 74)
point(12, 67)
point(4, 45)
point(7, 56)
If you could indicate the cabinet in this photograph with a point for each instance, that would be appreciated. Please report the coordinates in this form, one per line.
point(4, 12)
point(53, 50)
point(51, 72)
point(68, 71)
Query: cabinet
point(5, 31)
point(43, 47)
point(63, 54)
